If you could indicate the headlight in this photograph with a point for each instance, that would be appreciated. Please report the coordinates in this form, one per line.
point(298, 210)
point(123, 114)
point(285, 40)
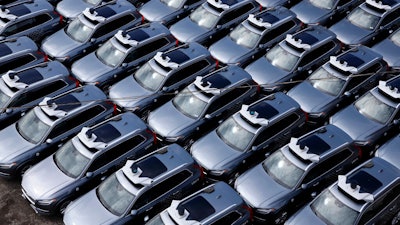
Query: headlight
point(316, 115)
point(362, 143)
point(173, 139)
point(7, 166)
point(47, 201)
point(265, 211)
point(62, 59)
point(218, 172)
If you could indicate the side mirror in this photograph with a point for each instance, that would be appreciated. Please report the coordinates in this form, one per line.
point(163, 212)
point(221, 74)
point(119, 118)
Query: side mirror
point(253, 148)
point(396, 122)
point(49, 141)
point(347, 94)
point(185, 6)
point(134, 212)
point(300, 68)
point(165, 89)
point(22, 114)
point(8, 111)
point(89, 174)
point(219, 26)
point(304, 186)
point(124, 65)
point(93, 40)
point(207, 116)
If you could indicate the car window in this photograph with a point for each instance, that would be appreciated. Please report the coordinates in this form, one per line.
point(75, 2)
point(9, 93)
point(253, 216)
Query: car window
point(114, 25)
point(229, 218)
point(275, 129)
point(39, 92)
point(328, 165)
point(162, 188)
point(26, 24)
point(146, 49)
point(116, 152)
point(391, 17)
point(232, 15)
point(16, 62)
point(343, 2)
point(186, 72)
point(381, 204)
point(317, 53)
point(227, 98)
point(271, 35)
point(355, 81)
point(76, 120)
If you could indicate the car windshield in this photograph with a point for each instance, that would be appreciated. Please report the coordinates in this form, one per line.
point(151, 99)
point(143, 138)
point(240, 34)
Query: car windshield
point(371, 107)
point(203, 18)
point(70, 161)
point(363, 19)
point(281, 58)
point(114, 197)
point(78, 30)
point(189, 104)
point(327, 207)
point(326, 82)
point(282, 170)
point(92, 2)
point(324, 4)
point(175, 4)
point(3, 100)
point(109, 54)
point(244, 37)
point(396, 38)
point(148, 78)
point(32, 128)
point(234, 135)
point(156, 221)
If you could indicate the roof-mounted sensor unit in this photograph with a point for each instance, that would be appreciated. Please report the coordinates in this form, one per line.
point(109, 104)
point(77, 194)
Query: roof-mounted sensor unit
point(11, 79)
point(123, 37)
point(89, 139)
point(218, 4)
point(378, 4)
point(179, 213)
point(297, 42)
point(206, 87)
point(252, 116)
point(259, 21)
point(388, 89)
point(354, 190)
point(133, 172)
point(165, 60)
point(50, 108)
point(302, 150)
point(342, 65)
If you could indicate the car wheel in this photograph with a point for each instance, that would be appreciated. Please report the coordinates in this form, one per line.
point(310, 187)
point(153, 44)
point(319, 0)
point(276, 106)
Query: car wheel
point(24, 169)
point(63, 206)
point(396, 218)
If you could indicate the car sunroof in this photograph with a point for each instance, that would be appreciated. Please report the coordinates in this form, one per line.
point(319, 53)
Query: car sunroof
point(199, 208)
point(151, 167)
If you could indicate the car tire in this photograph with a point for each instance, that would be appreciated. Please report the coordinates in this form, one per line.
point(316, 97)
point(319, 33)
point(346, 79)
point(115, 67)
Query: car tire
point(63, 206)
point(24, 168)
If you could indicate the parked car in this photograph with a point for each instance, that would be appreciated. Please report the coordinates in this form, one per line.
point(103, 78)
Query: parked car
point(122, 53)
point(289, 177)
point(373, 117)
point(90, 30)
point(366, 22)
point(212, 20)
point(241, 141)
point(253, 36)
point(293, 57)
point(338, 82)
point(168, 11)
point(314, 12)
point(141, 188)
point(38, 133)
point(34, 19)
point(370, 194)
point(197, 108)
point(18, 53)
point(156, 81)
point(217, 203)
point(389, 151)
point(389, 48)
point(84, 161)
point(21, 90)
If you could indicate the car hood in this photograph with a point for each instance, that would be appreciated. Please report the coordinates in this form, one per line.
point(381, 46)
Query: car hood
point(44, 179)
point(258, 189)
point(71, 8)
point(308, 13)
point(127, 92)
point(264, 73)
point(354, 124)
point(168, 121)
point(12, 143)
point(59, 44)
point(389, 51)
point(310, 99)
point(355, 37)
point(88, 210)
point(155, 10)
point(186, 30)
point(219, 51)
point(212, 153)
point(305, 216)
point(89, 68)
